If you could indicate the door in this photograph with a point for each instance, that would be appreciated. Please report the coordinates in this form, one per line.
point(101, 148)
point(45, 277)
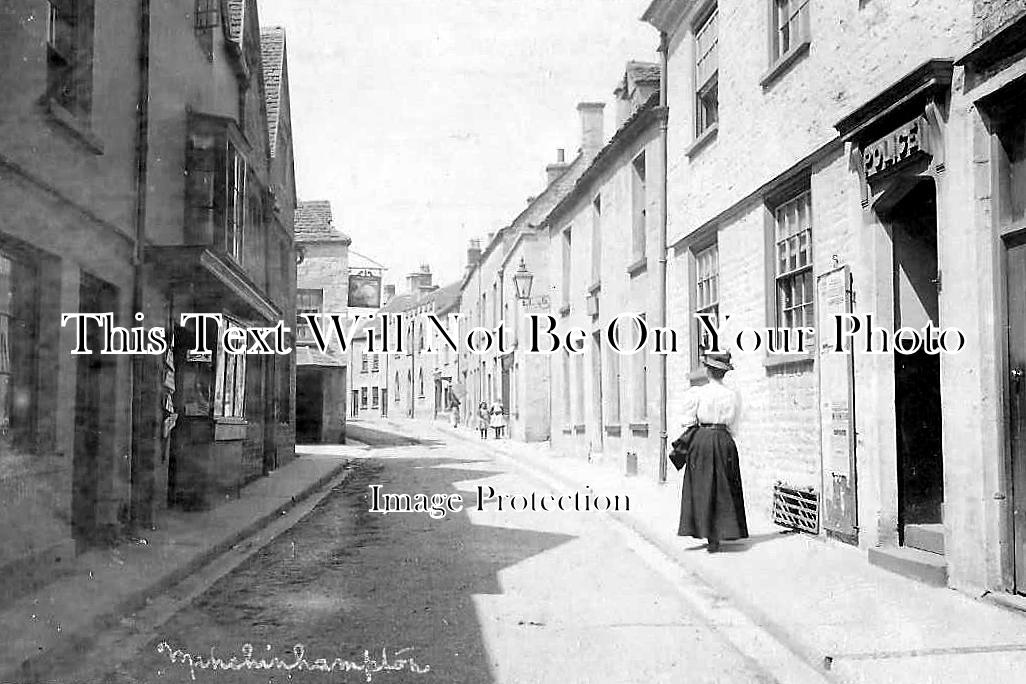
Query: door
point(917, 392)
point(94, 415)
point(1016, 256)
point(309, 405)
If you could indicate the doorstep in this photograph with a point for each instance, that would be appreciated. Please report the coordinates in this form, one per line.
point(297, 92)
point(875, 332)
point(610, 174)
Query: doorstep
point(924, 566)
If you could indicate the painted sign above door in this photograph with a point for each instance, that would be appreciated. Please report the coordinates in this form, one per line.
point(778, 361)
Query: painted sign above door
point(902, 145)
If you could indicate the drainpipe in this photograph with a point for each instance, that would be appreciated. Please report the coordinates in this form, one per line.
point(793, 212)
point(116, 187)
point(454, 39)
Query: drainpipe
point(661, 248)
point(141, 167)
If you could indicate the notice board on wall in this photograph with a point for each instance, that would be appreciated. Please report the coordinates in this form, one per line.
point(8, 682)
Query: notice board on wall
point(837, 410)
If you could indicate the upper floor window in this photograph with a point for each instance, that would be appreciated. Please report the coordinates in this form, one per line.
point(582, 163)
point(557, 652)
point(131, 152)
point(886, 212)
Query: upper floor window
point(69, 55)
point(793, 258)
point(567, 255)
point(639, 200)
point(308, 301)
point(207, 19)
point(790, 26)
point(707, 66)
point(224, 198)
point(596, 239)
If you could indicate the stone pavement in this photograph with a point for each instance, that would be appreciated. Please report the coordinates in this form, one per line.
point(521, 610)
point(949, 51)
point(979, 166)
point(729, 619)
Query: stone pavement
point(105, 585)
point(822, 599)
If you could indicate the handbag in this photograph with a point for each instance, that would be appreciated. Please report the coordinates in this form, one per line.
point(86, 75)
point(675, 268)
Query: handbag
point(681, 445)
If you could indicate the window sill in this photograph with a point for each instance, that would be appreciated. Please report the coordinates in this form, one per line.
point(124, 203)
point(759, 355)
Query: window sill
point(77, 127)
point(639, 429)
point(638, 267)
point(227, 429)
point(784, 63)
point(776, 361)
point(702, 141)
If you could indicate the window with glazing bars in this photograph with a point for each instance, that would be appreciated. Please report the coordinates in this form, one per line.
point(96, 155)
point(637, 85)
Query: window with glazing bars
point(707, 68)
point(307, 302)
point(707, 290)
point(794, 285)
point(790, 25)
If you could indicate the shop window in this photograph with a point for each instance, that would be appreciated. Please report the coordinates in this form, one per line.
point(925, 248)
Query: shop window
point(229, 382)
point(18, 350)
point(790, 26)
point(69, 55)
point(793, 263)
point(706, 283)
point(707, 67)
point(308, 301)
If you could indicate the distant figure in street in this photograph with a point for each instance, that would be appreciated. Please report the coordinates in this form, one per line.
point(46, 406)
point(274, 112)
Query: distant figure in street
point(482, 419)
point(454, 411)
point(498, 418)
point(712, 503)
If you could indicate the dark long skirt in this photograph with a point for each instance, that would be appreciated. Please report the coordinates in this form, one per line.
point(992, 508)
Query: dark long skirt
point(712, 503)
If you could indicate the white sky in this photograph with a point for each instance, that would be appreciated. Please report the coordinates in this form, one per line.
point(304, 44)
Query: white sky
point(429, 122)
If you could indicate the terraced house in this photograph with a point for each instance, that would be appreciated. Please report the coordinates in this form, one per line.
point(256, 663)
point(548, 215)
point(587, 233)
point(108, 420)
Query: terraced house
point(147, 167)
point(839, 166)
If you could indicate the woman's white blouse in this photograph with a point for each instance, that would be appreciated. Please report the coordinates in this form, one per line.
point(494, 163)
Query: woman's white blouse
point(712, 403)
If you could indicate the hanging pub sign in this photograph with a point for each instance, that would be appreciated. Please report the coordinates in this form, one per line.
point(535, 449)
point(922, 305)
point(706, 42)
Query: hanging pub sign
point(904, 144)
point(365, 290)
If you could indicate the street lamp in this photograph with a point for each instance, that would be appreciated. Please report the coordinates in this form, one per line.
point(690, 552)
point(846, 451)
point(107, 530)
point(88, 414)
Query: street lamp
point(522, 280)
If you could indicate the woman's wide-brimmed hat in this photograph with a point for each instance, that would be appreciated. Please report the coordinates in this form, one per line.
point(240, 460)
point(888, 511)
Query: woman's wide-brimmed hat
point(719, 360)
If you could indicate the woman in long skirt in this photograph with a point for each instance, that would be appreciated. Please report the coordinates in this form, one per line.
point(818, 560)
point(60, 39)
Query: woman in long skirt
point(712, 503)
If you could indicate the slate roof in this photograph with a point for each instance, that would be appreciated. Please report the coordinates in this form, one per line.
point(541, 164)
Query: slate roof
point(643, 72)
point(445, 297)
point(314, 222)
point(272, 54)
point(311, 356)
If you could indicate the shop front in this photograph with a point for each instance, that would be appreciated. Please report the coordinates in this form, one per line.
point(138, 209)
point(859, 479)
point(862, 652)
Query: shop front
point(897, 143)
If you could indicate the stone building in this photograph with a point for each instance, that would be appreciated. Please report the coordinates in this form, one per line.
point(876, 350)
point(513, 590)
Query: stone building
point(602, 257)
point(418, 379)
point(141, 175)
point(322, 287)
point(488, 297)
point(845, 168)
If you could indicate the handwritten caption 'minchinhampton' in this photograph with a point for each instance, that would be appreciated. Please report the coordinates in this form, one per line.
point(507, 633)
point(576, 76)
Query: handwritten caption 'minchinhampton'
point(627, 333)
point(367, 666)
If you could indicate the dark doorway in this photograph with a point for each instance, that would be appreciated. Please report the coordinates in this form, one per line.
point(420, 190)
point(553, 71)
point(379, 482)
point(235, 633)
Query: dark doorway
point(917, 398)
point(1016, 274)
point(94, 416)
point(309, 405)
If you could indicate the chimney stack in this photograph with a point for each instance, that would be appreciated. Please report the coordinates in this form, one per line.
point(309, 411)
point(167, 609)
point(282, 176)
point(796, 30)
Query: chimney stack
point(592, 137)
point(473, 253)
point(554, 171)
point(389, 293)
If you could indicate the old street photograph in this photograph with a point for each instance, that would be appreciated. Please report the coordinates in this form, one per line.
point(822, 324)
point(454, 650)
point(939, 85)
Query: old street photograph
point(512, 341)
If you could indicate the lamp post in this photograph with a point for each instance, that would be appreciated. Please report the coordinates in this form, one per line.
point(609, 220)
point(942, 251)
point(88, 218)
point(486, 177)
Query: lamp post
point(522, 280)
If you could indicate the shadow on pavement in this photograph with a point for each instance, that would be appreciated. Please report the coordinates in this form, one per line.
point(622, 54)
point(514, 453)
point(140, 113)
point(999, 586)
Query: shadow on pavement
point(344, 580)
